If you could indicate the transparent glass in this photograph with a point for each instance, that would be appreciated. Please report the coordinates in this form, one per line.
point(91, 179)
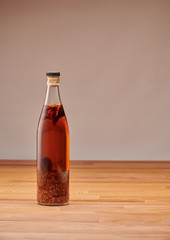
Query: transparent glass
point(53, 151)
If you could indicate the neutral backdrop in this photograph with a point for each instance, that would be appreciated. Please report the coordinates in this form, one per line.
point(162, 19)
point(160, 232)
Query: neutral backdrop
point(114, 58)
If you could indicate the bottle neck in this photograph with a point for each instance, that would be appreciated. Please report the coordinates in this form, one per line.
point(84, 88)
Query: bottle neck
point(53, 93)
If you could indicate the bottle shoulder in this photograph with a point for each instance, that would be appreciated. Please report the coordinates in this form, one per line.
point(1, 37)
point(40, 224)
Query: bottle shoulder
point(53, 117)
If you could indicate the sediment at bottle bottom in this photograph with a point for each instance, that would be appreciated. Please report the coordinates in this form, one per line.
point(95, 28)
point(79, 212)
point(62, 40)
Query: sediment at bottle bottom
point(53, 204)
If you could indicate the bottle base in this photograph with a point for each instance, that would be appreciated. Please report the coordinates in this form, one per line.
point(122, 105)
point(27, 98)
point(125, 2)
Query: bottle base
point(53, 204)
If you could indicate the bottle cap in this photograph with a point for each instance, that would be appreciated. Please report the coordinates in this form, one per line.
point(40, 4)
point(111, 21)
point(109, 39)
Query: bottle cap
point(53, 74)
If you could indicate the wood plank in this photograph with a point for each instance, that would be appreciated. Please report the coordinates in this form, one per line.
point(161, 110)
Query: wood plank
point(108, 200)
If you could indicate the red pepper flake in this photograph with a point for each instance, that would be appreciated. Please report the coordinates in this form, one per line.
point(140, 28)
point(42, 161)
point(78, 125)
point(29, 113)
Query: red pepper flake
point(53, 187)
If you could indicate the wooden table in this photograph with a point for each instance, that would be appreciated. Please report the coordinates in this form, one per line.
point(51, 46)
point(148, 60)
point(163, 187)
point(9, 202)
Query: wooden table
point(109, 200)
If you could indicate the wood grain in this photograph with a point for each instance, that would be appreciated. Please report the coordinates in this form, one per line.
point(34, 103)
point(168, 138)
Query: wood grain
point(109, 200)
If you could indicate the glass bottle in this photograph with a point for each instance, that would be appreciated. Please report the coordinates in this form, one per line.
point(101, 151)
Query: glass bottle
point(53, 148)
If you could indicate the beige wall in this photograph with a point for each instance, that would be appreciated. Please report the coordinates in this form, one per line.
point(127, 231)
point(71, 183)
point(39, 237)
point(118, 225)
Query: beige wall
point(114, 59)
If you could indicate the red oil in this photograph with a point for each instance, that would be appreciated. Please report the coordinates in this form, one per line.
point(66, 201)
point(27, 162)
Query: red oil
point(53, 156)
